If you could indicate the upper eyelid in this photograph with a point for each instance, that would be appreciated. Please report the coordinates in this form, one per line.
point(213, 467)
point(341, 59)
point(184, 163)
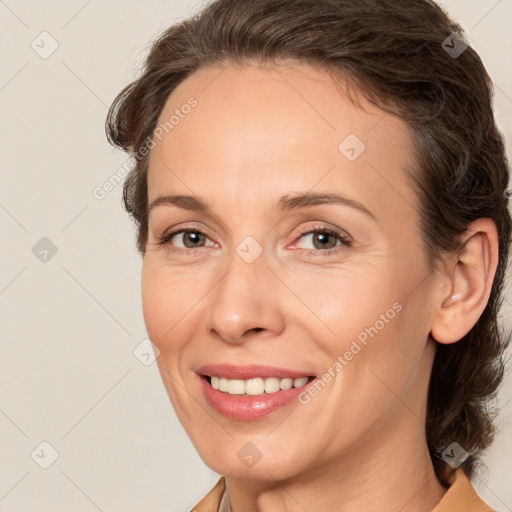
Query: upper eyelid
point(302, 231)
point(325, 227)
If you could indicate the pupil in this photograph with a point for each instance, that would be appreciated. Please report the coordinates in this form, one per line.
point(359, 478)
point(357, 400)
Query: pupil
point(323, 238)
point(192, 235)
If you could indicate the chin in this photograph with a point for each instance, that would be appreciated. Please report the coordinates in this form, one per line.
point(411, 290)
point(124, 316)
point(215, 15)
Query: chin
point(253, 461)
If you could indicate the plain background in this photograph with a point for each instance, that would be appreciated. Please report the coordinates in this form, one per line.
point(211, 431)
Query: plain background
point(70, 321)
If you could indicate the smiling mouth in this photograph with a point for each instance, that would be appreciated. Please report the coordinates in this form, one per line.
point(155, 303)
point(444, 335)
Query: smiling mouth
point(255, 386)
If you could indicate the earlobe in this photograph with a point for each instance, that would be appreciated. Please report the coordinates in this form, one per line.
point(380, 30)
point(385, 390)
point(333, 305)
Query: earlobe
point(471, 278)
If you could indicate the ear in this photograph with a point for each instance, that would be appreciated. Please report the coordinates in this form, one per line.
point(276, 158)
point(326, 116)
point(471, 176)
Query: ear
point(470, 276)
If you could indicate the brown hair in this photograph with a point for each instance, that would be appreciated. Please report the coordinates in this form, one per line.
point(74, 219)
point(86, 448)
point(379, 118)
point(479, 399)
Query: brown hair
point(398, 52)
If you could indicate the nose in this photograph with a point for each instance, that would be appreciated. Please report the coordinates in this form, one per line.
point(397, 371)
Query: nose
point(245, 303)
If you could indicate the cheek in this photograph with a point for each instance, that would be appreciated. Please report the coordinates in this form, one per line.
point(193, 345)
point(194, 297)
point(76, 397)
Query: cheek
point(389, 365)
point(165, 303)
point(353, 304)
point(375, 322)
point(173, 302)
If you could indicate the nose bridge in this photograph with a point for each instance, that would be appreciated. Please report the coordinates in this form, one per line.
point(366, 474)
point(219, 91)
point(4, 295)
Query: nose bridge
point(243, 299)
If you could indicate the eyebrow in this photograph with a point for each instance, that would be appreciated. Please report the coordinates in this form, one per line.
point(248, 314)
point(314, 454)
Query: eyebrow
point(285, 203)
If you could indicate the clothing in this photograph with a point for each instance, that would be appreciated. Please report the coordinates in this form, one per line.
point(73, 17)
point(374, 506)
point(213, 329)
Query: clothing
point(460, 497)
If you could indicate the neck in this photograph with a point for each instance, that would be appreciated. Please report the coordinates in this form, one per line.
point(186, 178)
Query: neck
point(388, 471)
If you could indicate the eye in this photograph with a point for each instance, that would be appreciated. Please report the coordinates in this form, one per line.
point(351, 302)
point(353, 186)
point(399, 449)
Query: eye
point(190, 238)
point(325, 239)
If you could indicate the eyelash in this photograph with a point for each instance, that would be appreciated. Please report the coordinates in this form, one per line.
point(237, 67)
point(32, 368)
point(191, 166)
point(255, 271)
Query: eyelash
point(345, 240)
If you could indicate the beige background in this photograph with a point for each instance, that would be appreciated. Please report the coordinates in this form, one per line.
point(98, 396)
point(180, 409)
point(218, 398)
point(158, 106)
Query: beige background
point(70, 324)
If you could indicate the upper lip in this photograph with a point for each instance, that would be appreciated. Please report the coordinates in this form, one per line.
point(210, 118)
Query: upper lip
point(232, 371)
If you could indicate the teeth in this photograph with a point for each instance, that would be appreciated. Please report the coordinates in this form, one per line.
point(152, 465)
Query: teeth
point(223, 384)
point(300, 382)
point(256, 386)
point(272, 385)
point(236, 387)
point(285, 384)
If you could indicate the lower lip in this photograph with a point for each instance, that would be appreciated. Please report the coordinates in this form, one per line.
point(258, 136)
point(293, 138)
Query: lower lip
point(243, 407)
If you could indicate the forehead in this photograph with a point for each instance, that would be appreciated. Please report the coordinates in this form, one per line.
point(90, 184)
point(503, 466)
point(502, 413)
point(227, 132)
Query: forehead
point(256, 128)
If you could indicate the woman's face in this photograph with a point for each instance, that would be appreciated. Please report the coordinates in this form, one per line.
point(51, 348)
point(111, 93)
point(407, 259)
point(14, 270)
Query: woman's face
point(257, 290)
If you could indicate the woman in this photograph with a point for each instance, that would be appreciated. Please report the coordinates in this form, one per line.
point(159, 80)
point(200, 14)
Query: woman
point(341, 376)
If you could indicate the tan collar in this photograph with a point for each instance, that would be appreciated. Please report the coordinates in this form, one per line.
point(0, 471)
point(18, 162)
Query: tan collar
point(211, 502)
point(460, 497)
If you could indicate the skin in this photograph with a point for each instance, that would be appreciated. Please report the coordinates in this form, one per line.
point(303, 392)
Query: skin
point(258, 133)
